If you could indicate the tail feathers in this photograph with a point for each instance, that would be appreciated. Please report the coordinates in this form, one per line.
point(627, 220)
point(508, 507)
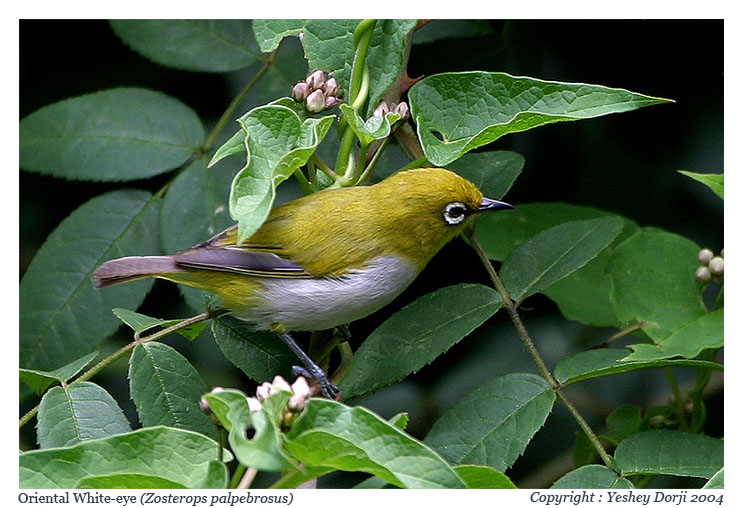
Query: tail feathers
point(133, 268)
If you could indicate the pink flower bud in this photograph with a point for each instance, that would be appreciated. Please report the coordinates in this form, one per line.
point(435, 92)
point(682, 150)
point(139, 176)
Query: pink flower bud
point(300, 91)
point(316, 101)
point(403, 110)
point(280, 385)
point(263, 391)
point(254, 404)
point(331, 101)
point(315, 80)
point(717, 266)
point(382, 109)
point(330, 87)
point(703, 274)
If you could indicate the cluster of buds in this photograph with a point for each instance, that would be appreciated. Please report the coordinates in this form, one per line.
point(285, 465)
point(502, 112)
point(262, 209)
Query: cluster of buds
point(384, 107)
point(300, 391)
point(318, 91)
point(712, 267)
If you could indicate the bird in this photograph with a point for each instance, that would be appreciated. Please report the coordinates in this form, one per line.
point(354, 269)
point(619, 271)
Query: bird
point(325, 259)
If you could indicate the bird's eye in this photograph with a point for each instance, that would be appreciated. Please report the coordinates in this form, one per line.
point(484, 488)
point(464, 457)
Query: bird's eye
point(455, 213)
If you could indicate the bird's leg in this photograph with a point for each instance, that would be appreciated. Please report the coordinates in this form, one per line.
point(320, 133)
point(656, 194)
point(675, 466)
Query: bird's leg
point(311, 369)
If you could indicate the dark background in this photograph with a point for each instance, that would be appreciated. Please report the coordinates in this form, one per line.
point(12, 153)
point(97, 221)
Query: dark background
point(624, 163)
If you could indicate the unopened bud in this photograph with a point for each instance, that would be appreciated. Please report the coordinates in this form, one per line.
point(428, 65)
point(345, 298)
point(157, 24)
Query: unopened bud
point(204, 405)
point(254, 404)
point(330, 87)
point(403, 110)
point(316, 101)
point(717, 266)
point(331, 101)
point(382, 109)
point(263, 391)
point(315, 80)
point(300, 91)
point(280, 385)
point(705, 255)
point(703, 274)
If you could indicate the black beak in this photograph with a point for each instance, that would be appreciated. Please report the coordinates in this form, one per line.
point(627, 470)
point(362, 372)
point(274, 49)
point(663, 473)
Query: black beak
point(492, 204)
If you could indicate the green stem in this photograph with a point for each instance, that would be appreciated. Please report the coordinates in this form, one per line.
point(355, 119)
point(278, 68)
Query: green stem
point(306, 187)
point(372, 163)
point(124, 350)
point(678, 400)
point(417, 163)
point(511, 308)
point(239, 472)
point(222, 122)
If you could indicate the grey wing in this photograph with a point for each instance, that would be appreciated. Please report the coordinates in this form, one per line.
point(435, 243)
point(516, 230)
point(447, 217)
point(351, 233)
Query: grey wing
point(240, 260)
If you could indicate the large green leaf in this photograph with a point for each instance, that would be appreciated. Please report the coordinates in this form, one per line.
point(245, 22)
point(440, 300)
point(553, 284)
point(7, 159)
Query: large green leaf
point(203, 45)
point(328, 45)
point(717, 481)
point(417, 334)
point(332, 435)
point(40, 380)
point(663, 295)
point(584, 294)
point(62, 317)
point(78, 412)
point(113, 135)
point(483, 477)
point(278, 141)
point(669, 452)
point(555, 253)
point(145, 458)
point(260, 355)
point(493, 424)
point(166, 389)
point(459, 111)
point(592, 476)
point(604, 362)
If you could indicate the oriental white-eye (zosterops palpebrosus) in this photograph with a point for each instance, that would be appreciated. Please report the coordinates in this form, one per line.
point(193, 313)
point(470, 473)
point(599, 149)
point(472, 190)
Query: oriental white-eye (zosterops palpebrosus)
point(325, 259)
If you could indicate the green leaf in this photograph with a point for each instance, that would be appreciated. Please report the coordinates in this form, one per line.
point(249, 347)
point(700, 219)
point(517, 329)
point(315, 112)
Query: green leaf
point(278, 142)
point(260, 355)
point(166, 389)
point(483, 477)
point(194, 209)
point(583, 295)
point(624, 421)
point(329, 434)
point(555, 253)
point(492, 172)
point(178, 456)
point(127, 481)
point(79, 412)
point(328, 45)
point(40, 380)
point(417, 334)
point(201, 45)
point(705, 332)
point(62, 316)
point(233, 146)
point(669, 452)
point(375, 127)
point(262, 450)
point(717, 481)
point(114, 135)
point(592, 476)
point(604, 362)
point(653, 282)
point(458, 111)
point(141, 323)
point(493, 424)
point(715, 182)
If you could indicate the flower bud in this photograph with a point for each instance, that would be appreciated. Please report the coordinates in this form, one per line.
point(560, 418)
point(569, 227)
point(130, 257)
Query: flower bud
point(403, 110)
point(717, 266)
point(263, 391)
point(300, 91)
point(703, 274)
point(254, 404)
point(330, 87)
point(204, 405)
point(315, 80)
point(280, 385)
point(331, 101)
point(705, 255)
point(316, 101)
point(382, 109)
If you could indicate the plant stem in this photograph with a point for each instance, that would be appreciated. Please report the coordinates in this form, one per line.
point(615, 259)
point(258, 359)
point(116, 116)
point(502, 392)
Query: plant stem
point(238, 99)
point(247, 478)
point(511, 308)
point(678, 400)
point(124, 350)
point(239, 472)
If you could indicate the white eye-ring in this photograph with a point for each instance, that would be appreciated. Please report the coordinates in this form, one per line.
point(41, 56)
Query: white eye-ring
point(455, 213)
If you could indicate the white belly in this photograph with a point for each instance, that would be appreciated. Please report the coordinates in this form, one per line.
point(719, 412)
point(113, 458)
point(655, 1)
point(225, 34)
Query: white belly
point(320, 304)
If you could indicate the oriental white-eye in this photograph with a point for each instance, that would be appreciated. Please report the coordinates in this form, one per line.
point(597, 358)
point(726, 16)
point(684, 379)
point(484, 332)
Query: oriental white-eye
point(325, 259)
